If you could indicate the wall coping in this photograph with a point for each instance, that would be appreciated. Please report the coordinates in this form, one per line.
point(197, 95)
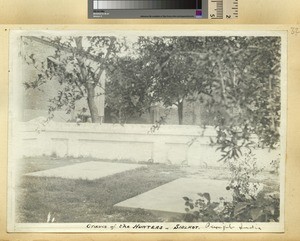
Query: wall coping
point(185, 130)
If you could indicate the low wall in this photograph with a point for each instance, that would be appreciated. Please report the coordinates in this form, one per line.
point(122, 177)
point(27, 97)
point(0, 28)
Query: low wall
point(169, 144)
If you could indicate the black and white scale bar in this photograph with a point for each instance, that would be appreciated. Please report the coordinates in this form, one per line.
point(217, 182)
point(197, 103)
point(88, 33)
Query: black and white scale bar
point(146, 4)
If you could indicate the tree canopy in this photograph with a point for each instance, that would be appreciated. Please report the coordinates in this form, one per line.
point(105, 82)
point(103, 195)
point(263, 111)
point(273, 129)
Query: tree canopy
point(237, 78)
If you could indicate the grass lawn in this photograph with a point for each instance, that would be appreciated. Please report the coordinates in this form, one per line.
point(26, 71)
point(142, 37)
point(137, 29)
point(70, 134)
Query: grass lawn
point(77, 200)
point(70, 200)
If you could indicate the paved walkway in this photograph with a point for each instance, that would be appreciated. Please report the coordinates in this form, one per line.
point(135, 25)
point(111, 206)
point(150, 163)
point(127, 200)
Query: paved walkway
point(169, 197)
point(87, 170)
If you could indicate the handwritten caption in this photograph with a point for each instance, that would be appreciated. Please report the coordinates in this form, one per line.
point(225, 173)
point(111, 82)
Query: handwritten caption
point(177, 227)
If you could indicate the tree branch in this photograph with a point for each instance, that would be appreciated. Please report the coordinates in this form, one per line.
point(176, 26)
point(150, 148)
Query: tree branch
point(62, 47)
point(78, 86)
point(109, 50)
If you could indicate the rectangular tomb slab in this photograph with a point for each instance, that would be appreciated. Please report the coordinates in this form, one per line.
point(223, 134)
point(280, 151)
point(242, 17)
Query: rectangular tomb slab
point(87, 170)
point(169, 197)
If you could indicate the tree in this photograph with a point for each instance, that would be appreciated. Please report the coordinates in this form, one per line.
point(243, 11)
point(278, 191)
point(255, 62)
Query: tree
point(245, 100)
point(239, 76)
point(77, 64)
point(248, 88)
point(128, 88)
point(178, 68)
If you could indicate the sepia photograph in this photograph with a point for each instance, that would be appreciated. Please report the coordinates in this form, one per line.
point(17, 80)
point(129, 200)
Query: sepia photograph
point(147, 131)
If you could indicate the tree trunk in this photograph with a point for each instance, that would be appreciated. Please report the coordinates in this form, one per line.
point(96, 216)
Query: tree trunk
point(89, 87)
point(92, 105)
point(180, 112)
point(194, 113)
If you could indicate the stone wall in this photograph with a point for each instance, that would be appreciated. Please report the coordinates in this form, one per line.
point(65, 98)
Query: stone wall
point(169, 144)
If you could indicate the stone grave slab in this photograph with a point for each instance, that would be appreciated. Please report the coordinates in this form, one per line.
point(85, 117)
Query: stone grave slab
point(169, 197)
point(87, 170)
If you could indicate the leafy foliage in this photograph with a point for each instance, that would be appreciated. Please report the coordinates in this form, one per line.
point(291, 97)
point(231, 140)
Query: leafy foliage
point(128, 91)
point(77, 64)
point(260, 209)
point(243, 172)
point(178, 68)
point(248, 70)
point(237, 78)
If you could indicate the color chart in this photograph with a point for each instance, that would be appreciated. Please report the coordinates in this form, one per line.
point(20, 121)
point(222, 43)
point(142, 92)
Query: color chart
point(200, 9)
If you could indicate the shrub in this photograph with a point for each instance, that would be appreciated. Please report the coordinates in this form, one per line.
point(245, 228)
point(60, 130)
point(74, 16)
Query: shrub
point(264, 208)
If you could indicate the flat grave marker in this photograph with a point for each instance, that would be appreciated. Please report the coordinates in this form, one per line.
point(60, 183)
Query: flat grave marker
point(87, 170)
point(169, 197)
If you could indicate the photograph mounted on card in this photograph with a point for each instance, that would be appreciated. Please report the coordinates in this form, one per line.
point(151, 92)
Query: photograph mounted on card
point(147, 131)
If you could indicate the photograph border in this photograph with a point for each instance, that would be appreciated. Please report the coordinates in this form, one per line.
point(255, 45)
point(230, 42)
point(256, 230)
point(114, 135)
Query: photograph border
point(112, 227)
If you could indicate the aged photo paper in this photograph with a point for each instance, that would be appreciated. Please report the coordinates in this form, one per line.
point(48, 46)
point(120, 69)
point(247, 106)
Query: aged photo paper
point(147, 131)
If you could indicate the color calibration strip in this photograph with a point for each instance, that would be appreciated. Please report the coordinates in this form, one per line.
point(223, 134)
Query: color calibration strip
point(143, 4)
point(201, 9)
